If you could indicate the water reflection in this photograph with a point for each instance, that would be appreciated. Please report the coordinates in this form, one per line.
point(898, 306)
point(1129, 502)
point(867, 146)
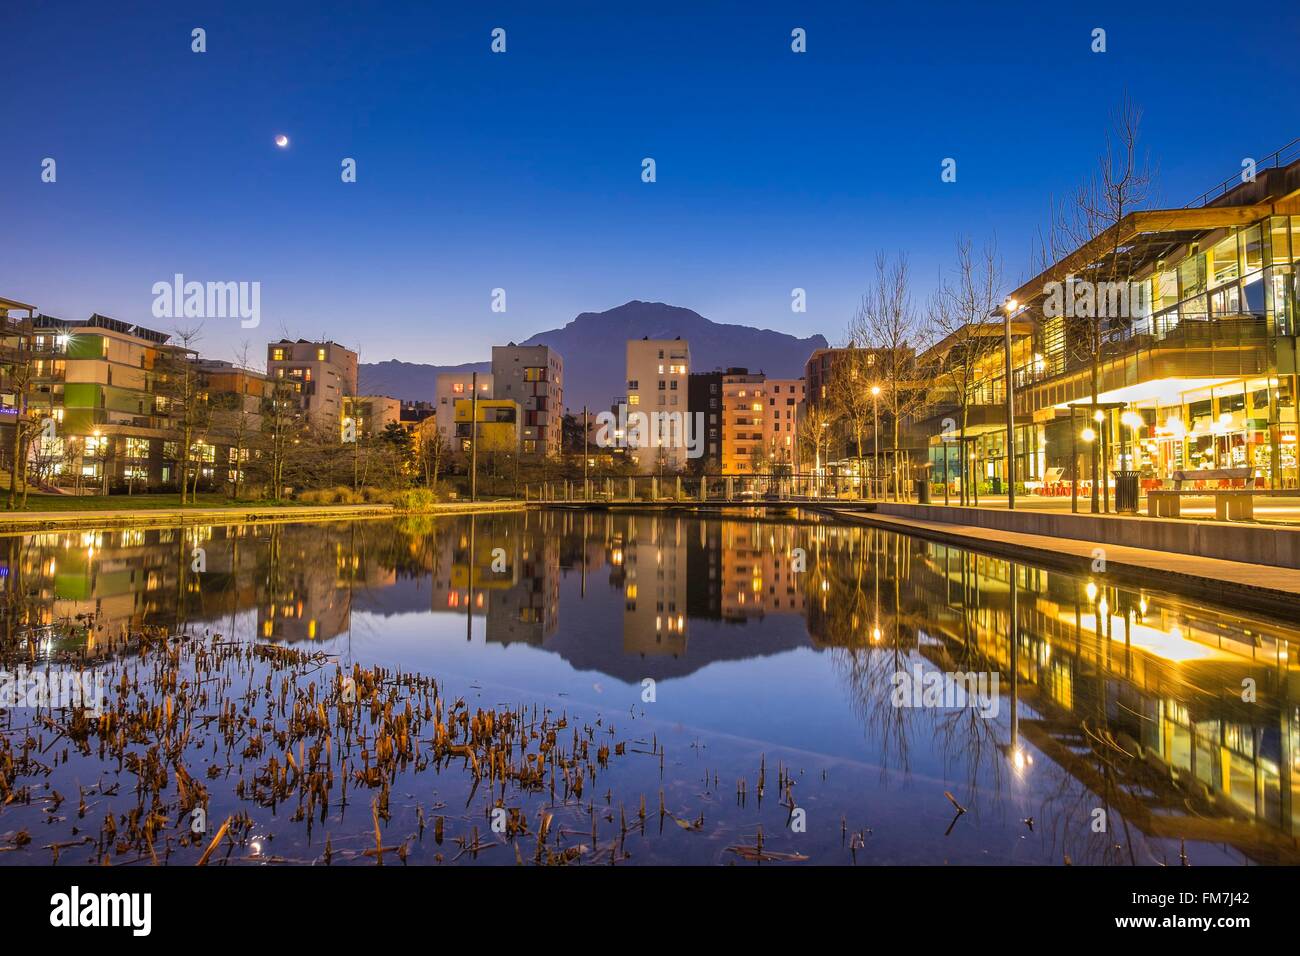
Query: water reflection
point(1177, 721)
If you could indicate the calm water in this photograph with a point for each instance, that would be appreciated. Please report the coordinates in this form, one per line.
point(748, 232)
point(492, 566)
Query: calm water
point(772, 645)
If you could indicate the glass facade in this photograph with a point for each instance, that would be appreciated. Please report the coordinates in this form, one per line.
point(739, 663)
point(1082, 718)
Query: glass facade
point(1198, 387)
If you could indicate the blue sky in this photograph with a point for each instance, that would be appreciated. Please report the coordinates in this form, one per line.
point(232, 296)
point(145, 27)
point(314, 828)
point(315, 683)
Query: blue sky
point(522, 170)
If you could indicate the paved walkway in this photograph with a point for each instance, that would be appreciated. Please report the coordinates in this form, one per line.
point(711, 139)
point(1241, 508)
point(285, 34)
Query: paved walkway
point(1214, 578)
point(31, 520)
point(1268, 509)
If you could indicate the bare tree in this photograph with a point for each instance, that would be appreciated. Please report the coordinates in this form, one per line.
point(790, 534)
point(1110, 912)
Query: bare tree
point(186, 403)
point(849, 391)
point(889, 325)
point(960, 312)
point(238, 417)
point(814, 434)
point(433, 448)
point(282, 431)
point(18, 365)
point(1121, 184)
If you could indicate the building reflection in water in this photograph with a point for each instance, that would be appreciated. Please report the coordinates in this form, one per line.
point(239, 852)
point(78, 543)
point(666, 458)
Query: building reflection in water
point(1136, 696)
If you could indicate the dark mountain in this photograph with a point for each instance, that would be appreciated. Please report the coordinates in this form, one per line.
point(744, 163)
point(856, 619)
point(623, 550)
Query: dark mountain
point(594, 347)
point(408, 380)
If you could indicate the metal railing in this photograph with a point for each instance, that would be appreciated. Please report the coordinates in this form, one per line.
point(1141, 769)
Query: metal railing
point(1274, 160)
point(730, 489)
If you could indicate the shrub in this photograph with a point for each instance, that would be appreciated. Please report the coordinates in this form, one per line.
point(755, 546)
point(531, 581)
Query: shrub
point(340, 495)
point(414, 499)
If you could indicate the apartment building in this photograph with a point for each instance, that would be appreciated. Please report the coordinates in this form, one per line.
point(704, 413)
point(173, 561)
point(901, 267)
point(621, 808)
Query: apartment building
point(499, 425)
point(744, 414)
point(15, 345)
point(781, 423)
point(103, 384)
point(826, 368)
point(372, 413)
point(451, 386)
point(658, 374)
point(704, 397)
point(533, 377)
point(320, 374)
point(235, 398)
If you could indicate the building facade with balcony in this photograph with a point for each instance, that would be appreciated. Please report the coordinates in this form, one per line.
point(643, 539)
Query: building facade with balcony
point(532, 376)
point(320, 374)
point(99, 393)
point(781, 398)
point(743, 418)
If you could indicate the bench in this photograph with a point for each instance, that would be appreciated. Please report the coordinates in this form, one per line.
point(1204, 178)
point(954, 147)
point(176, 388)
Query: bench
point(1234, 505)
point(1163, 504)
point(1229, 505)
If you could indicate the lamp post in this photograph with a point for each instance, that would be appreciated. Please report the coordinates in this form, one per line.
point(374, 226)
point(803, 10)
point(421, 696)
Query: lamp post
point(875, 435)
point(1088, 435)
point(818, 440)
point(101, 456)
point(473, 437)
point(1010, 456)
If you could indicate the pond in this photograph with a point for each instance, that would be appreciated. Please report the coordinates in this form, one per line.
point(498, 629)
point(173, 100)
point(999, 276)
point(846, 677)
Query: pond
point(631, 688)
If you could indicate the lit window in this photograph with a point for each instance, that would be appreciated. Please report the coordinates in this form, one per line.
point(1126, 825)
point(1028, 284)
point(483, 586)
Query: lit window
point(320, 355)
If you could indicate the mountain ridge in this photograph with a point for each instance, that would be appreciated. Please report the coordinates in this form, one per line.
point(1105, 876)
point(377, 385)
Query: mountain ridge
point(588, 341)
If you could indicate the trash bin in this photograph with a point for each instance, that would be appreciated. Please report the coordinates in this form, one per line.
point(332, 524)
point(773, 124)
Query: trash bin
point(922, 491)
point(1126, 491)
point(995, 485)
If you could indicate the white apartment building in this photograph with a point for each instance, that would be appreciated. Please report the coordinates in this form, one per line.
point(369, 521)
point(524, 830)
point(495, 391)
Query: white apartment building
point(657, 380)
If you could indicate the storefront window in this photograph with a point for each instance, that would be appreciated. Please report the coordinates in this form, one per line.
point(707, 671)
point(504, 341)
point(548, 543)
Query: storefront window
point(1252, 294)
point(1252, 250)
point(1223, 258)
point(1278, 242)
point(1166, 290)
point(1226, 301)
point(1193, 310)
point(1191, 277)
point(1281, 286)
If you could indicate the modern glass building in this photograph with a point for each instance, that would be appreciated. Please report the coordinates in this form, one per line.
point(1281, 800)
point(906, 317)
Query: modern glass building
point(1186, 318)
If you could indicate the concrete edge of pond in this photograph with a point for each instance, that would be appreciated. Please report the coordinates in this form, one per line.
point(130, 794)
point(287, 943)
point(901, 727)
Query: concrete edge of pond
point(27, 522)
point(1268, 544)
point(1266, 588)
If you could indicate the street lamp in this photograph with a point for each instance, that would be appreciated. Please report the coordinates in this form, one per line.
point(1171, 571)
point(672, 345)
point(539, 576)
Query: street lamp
point(875, 432)
point(1010, 456)
point(818, 438)
point(101, 455)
